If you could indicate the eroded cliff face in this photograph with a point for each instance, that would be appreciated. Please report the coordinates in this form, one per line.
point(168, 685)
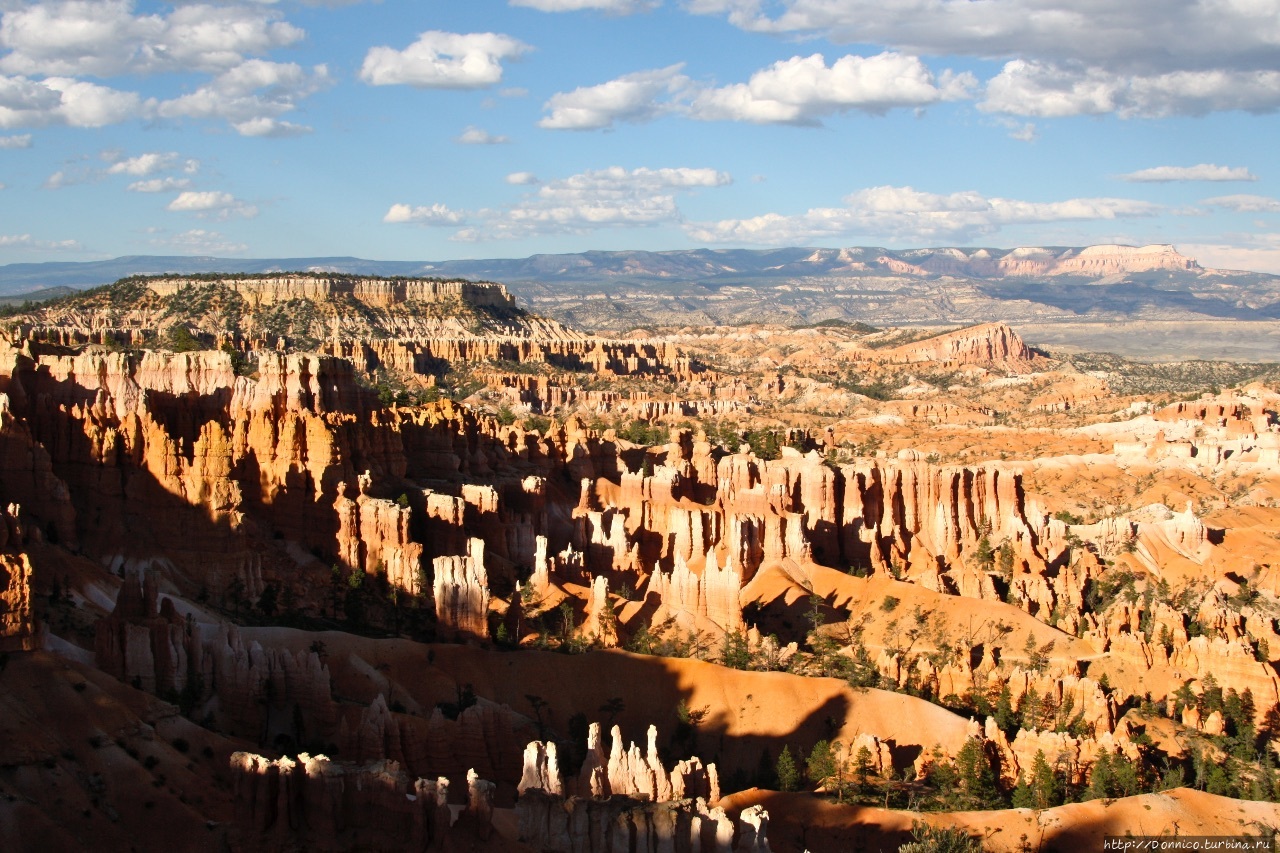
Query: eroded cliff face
point(629, 802)
point(315, 803)
point(279, 495)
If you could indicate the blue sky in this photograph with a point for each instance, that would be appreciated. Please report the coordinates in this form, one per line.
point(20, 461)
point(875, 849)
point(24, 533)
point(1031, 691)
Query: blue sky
point(488, 128)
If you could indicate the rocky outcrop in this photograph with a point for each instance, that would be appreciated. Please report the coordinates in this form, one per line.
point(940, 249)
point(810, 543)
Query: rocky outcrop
point(991, 343)
point(629, 802)
point(375, 536)
point(315, 803)
point(18, 631)
point(625, 771)
point(694, 600)
point(462, 594)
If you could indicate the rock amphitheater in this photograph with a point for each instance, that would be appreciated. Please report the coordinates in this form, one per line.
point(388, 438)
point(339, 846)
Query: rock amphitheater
point(589, 599)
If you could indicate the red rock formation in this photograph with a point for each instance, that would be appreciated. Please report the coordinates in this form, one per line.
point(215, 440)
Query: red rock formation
point(462, 594)
point(17, 619)
point(629, 802)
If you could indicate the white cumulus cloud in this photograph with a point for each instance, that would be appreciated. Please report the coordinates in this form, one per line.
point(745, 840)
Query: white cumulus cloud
point(907, 214)
point(65, 101)
point(440, 60)
point(26, 241)
point(1140, 34)
point(1201, 172)
point(802, 89)
point(216, 204)
point(252, 97)
point(1063, 57)
point(434, 214)
point(144, 164)
point(19, 141)
point(602, 198)
point(579, 204)
point(633, 97)
point(799, 90)
point(106, 38)
point(1047, 90)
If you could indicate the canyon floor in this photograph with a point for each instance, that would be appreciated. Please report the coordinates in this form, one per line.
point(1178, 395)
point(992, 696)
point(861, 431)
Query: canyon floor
point(327, 562)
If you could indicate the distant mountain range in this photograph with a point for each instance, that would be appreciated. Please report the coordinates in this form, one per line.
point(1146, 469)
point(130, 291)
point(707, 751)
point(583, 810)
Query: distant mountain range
point(617, 291)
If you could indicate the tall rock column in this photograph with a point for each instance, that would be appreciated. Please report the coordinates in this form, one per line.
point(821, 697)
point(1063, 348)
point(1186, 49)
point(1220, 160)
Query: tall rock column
point(462, 593)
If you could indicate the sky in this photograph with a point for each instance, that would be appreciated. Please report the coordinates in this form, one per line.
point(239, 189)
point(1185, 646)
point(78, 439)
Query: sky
point(426, 130)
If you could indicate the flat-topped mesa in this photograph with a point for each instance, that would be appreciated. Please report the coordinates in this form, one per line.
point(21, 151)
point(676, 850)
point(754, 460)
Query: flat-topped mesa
point(1111, 259)
point(378, 292)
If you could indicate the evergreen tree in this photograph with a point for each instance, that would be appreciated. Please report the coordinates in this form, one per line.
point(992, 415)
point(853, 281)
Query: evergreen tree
point(1046, 792)
point(1127, 781)
point(821, 764)
point(735, 653)
point(1029, 709)
point(1173, 777)
point(1101, 777)
point(985, 555)
point(785, 768)
point(1022, 796)
point(1270, 726)
point(1005, 717)
point(862, 766)
point(977, 779)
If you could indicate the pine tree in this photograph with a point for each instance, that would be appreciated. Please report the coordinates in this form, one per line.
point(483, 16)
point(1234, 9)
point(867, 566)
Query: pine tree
point(1045, 790)
point(985, 555)
point(1022, 796)
point(1006, 719)
point(862, 766)
point(1029, 709)
point(736, 652)
point(977, 779)
point(821, 764)
point(1127, 781)
point(1101, 777)
point(785, 768)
